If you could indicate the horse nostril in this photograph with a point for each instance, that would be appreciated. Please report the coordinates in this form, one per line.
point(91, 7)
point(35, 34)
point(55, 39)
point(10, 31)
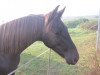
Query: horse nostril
point(75, 60)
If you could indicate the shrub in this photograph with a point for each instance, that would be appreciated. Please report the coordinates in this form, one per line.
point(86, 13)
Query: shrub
point(92, 24)
point(75, 23)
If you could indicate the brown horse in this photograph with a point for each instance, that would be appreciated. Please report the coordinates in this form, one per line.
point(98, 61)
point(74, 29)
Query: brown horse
point(17, 35)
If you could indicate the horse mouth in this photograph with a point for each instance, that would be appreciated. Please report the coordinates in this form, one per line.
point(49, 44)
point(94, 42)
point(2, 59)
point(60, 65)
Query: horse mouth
point(72, 62)
point(70, 57)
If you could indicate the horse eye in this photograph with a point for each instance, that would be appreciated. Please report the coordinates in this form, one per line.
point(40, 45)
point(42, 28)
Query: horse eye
point(58, 33)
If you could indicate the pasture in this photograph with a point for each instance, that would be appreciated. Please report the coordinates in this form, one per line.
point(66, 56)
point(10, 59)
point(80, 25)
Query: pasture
point(84, 39)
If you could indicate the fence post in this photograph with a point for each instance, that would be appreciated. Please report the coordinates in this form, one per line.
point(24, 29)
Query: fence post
point(98, 35)
point(49, 63)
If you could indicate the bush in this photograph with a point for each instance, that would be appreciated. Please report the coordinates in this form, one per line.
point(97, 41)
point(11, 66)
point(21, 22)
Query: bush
point(75, 23)
point(92, 24)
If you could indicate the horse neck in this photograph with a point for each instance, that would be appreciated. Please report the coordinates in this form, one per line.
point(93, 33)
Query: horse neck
point(34, 31)
point(19, 34)
point(37, 28)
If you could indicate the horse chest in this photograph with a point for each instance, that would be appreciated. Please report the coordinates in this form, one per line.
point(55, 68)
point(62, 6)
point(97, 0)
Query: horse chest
point(7, 63)
point(4, 61)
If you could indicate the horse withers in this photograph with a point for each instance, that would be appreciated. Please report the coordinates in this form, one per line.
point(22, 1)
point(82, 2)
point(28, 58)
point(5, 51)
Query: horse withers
point(18, 34)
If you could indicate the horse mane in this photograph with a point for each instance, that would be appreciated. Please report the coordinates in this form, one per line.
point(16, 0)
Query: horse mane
point(18, 34)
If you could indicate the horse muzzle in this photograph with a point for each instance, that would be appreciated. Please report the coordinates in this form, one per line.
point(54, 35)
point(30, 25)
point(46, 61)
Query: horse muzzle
point(72, 58)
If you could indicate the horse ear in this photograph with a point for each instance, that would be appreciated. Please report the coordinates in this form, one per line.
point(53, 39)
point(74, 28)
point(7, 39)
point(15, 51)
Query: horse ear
point(51, 15)
point(61, 12)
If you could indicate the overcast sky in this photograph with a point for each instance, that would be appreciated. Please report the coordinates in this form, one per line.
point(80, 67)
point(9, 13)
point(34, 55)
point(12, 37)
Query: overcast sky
point(11, 9)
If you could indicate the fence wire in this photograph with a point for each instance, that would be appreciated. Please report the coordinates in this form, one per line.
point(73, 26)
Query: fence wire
point(44, 64)
point(27, 63)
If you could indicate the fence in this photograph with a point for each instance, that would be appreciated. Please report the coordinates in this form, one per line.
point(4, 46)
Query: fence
point(27, 63)
point(46, 63)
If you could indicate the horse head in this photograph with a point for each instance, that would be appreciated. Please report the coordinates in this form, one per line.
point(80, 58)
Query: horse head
point(56, 37)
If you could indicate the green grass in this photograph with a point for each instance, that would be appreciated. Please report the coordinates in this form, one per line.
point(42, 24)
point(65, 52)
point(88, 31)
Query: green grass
point(85, 43)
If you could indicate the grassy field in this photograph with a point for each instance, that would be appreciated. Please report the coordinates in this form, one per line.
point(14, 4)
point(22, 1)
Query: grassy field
point(84, 40)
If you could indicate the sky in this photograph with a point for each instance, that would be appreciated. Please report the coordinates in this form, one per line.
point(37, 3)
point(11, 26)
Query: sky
point(11, 9)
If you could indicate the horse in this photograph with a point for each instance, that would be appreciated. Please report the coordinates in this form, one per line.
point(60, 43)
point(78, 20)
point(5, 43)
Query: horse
point(18, 34)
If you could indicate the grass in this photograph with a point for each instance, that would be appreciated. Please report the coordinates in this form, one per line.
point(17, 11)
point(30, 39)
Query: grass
point(85, 42)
